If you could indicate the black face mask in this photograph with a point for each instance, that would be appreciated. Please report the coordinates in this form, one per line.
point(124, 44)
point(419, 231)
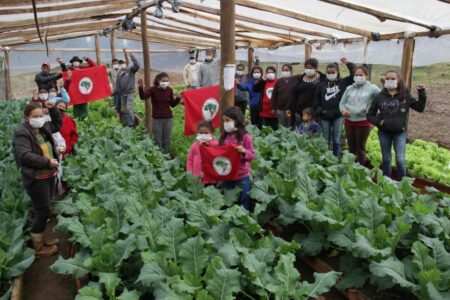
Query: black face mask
point(62, 110)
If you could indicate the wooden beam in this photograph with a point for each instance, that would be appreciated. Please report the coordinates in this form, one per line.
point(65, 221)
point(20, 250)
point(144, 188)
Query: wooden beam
point(7, 70)
point(227, 50)
point(21, 49)
point(407, 60)
point(112, 43)
point(57, 38)
point(147, 79)
point(302, 17)
point(380, 15)
point(137, 11)
point(98, 54)
point(137, 37)
point(250, 53)
point(308, 51)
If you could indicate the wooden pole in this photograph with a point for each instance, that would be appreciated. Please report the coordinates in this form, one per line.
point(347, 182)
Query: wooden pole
point(147, 79)
point(308, 51)
point(251, 51)
point(98, 55)
point(8, 89)
point(407, 60)
point(227, 49)
point(112, 42)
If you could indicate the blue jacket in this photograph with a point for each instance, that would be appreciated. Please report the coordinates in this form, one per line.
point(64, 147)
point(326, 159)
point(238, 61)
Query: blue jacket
point(255, 98)
point(64, 97)
point(311, 129)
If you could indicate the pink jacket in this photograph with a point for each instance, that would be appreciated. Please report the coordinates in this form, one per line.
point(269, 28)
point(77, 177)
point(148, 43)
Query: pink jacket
point(247, 143)
point(194, 161)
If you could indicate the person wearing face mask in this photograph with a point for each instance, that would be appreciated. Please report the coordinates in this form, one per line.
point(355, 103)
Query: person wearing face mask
point(42, 96)
point(209, 70)
point(205, 138)
point(163, 100)
point(265, 86)
point(36, 156)
point(190, 73)
point(46, 80)
point(125, 88)
point(354, 105)
point(254, 97)
point(63, 96)
point(326, 104)
point(241, 97)
point(389, 112)
point(282, 91)
point(112, 75)
point(68, 129)
point(304, 91)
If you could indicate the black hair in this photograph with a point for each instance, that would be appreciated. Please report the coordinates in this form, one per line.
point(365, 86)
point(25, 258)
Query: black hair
point(364, 69)
point(159, 77)
point(402, 90)
point(334, 65)
point(206, 124)
point(236, 115)
point(271, 68)
point(30, 107)
point(257, 68)
point(240, 65)
point(289, 66)
point(121, 61)
point(308, 111)
point(312, 62)
point(114, 60)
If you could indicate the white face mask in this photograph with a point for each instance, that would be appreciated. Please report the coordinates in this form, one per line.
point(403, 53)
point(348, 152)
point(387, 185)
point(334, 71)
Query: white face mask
point(359, 80)
point(115, 66)
point(164, 84)
point(209, 57)
point(332, 77)
point(271, 76)
point(390, 84)
point(204, 137)
point(257, 75)
point(43, 96)
point(52, 95)
point(239, 73)
point(37, 122)
point(123, 66)
point(229, 126)
point(76, 64)
point(192, 61)
point(310, 72)
point(285, 74)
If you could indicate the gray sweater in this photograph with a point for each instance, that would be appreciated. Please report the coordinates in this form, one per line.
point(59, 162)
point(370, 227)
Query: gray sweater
point(126, 82)
point(209, 73)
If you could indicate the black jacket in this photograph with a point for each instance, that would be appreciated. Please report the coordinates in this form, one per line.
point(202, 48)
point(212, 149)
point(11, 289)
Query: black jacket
point(329, 94)
point(46, 80)
point(303, 94)
point(393, 111)
point(27, 152)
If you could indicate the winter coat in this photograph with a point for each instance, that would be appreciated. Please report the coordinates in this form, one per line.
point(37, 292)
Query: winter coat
point(45, 80)
point(69, 133)
point(303, 93)
point(126, 81)
point(357, 99)
point(209, 73)
point(190, 74)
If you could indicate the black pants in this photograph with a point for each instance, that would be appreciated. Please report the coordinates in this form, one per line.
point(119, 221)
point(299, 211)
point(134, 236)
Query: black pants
point(272, 122)
point(357, 138)
point(254, 117)
point(40, 192)
point(243, 106)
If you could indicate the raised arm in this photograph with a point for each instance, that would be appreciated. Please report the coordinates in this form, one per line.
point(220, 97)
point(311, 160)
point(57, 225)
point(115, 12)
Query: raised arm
point(421, 103)
point(135, 66)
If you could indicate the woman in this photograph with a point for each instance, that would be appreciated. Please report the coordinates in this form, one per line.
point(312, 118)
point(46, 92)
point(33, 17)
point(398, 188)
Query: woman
point(389, 112)
point(326, 105)
point(255, 97)
point(354, 106)
point(265, 86)
point(281, 92)
point(162, 101)
point(36, 156)
point(68, 128)
point(305, 90)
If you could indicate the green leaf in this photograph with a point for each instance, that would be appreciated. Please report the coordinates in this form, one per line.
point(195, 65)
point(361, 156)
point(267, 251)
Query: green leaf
point(22, 262)
point(393, 269)
point(150, 274)
point(259, 273)
point(438, 250)
point(129, 295)
point(313, 243)
point(421, 258)
point(172, 236)
point(322, 283)
point(79, 265)
point(222, 283)
point(111, 282)
point(89, 293)
point(193, 256)
point(286, 274)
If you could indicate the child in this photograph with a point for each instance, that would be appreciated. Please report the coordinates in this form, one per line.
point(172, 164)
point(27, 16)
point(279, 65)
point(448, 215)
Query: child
point(205, 132)
point(309, 126)
point(68, 128)
point(235, 133)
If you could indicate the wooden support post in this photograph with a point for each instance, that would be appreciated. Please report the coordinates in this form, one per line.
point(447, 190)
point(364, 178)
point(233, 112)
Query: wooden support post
point(8, 89)
point(98, 54)
point(407, 60)
point(308, 51)
point(251, 51)
point(227, 49)
point(147, 79)
point(112, 42)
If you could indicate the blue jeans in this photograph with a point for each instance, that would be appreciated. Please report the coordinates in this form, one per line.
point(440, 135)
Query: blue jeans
point(399, 140)
point(244, 184)
point(333, 128)
point(127, 109)
point(117, 102)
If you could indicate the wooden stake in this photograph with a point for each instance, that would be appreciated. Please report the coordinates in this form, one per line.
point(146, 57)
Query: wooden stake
point(407, 60)
point(308, 51)
point(8, 89)
point(147, 79)
point(112, 42)
point(251, 51)
point(227, 50)
point(98, 55)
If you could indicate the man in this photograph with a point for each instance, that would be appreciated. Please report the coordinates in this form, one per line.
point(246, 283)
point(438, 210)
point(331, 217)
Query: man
point(241, 97)
point(209, 70)
point(125, 88)
point(190, 73)
point(112, 75)
point(45, 79)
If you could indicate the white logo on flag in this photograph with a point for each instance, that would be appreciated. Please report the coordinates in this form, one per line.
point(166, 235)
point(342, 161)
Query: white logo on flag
point(85, 85)
point(222, 166)
point(269, 92)
point(210, 109)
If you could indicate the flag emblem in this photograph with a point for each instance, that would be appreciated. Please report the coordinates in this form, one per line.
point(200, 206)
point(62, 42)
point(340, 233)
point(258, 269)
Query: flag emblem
point(269, 92)
point(222, 165)
point(210, 109)
point(85, 85)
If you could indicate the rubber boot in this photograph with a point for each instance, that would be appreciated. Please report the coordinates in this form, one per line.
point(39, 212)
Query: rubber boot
point(40, 249)
point(51, 242)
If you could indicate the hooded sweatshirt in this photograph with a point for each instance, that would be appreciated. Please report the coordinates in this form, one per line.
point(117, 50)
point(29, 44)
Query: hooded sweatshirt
point(394, 111)
point(357, 99)
point(255, 97)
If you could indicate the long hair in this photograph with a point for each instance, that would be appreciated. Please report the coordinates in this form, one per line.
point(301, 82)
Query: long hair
point(236, 115)
point(30, 107)
point(158, 78)
point(334, 66)
point(402, 90)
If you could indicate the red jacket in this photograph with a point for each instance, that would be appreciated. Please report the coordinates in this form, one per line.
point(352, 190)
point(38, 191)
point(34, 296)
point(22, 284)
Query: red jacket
point(69, 133)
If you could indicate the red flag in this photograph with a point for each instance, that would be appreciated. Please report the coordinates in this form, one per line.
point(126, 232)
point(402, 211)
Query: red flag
point(220, 163)
point(201, 104)
point(88, 84)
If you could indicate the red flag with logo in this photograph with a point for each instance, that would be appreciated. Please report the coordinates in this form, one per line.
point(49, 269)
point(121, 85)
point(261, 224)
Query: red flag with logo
point(220, 163)
point(201, 104)
point(88, 84)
